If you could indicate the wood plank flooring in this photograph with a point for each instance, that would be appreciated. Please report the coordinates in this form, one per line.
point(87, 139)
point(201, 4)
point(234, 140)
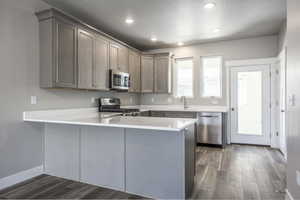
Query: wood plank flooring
point(236, 172)
point(239, 172)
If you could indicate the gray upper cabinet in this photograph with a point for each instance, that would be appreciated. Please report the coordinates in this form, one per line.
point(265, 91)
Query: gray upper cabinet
point(162, 73)
point(75, 55)
point(123, 59)
point(135, 71)
point(101, 65)
point(85, 59)
point(118, 57)
point(58, 51)
point(147, 73)
point(93, 65)
point(66, 71)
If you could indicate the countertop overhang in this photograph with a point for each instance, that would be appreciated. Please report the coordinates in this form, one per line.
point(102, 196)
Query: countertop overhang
point(91, 117)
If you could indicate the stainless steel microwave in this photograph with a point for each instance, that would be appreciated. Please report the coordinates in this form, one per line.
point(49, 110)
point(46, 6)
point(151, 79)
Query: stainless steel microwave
point(119, 80)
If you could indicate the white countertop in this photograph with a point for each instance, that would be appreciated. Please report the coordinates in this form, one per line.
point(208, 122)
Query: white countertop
point(91, 117)
point(191, 108)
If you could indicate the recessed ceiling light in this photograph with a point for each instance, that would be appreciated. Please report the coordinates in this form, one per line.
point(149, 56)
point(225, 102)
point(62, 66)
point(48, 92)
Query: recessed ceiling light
point(209, 5)
point(129, 21)
point(153, 39)
point(180, 43)
point(216, 30)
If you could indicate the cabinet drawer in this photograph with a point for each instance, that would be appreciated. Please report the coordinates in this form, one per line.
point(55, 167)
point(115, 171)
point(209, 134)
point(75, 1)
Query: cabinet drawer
point(175, 114)
point(157, 114)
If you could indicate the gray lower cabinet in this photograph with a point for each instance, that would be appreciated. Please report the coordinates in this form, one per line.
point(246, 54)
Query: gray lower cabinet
point(93, 155)
point(58, 51)
point(147, 74)
point(150, 163)
point(102, 157)
point(135, 71)
point(162, 73)
point(159, 164)
point(62, 151)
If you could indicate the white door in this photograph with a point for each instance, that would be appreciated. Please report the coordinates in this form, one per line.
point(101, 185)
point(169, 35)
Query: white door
point(282, 103)
point(250, 105)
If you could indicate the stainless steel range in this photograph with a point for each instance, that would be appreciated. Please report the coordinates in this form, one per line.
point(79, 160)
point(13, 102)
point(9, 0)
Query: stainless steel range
point(114, 105)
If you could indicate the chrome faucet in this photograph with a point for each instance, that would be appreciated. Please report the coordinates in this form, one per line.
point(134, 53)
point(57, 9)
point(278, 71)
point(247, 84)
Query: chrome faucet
point(183, 99)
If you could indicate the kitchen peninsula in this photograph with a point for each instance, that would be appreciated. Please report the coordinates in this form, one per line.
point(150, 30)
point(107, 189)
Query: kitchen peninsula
point(152, 157)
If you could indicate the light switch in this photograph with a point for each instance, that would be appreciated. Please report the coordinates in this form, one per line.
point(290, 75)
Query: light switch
point(93, 100)
point(33, 100)
point(152, 99)
point(131, 100)
point(169, 100)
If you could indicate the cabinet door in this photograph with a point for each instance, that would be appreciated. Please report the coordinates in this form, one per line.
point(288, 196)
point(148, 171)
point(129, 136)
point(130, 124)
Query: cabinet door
point(118, 57)
point(147, 66)
point(123, 59)
point(162, 74)
point(85, 59)
point(180, 114)
point(66, 66)
point(134, 71)
point(114, 51)
point(102, 156)
point(101, 65)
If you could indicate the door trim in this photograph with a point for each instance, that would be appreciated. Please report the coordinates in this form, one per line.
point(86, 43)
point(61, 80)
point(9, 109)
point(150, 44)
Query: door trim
point(265, 138)
point(234, 63)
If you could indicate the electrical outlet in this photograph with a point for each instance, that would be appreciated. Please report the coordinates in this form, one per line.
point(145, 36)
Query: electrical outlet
point(169, 100)
point(131, 100)
point(152, 99)
point(292, 100)
point(298, 177)
point(33, 100)
point(93, 100)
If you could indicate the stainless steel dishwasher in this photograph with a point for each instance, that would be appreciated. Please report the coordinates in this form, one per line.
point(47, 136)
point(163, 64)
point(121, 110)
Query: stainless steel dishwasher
point(210, 128)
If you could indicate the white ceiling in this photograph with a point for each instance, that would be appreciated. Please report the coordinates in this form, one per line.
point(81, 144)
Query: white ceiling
point(178, 20)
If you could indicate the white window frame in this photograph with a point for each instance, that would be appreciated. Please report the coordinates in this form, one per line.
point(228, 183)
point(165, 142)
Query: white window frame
point(175, 77)
point(202, 79)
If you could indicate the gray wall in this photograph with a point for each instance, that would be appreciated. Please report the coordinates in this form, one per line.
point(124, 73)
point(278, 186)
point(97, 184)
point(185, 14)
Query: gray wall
point(21, 143)
point(293, 88)
point(259, 47)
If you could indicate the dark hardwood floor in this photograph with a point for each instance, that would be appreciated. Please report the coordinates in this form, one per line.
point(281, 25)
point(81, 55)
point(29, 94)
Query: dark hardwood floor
point(236, 172)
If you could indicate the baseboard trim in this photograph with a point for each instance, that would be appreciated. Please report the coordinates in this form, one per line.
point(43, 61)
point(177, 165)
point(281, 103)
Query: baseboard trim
point(20, 177)
point(288, 195)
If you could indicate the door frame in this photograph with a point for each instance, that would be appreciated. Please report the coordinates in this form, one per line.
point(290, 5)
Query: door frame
point(282, 142)
point(265, 138)
point(246, 63)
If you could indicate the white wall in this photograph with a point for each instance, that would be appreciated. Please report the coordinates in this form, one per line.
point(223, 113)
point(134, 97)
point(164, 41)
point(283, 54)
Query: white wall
point(21, 143)
point(282, 41)
point(293, 89)
point(259, 47)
